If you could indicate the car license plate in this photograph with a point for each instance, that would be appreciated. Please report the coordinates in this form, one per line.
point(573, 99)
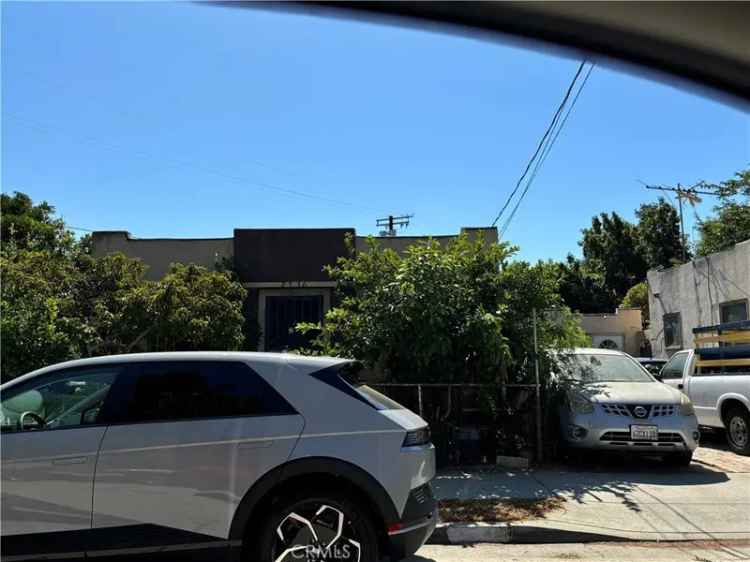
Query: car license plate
point(644, 432)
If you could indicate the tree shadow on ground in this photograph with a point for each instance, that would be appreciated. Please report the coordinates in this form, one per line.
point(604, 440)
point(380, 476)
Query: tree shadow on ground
point(600, 478)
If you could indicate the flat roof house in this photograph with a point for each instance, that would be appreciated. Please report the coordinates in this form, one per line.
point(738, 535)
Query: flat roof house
point(281, 268)
point(703, 292)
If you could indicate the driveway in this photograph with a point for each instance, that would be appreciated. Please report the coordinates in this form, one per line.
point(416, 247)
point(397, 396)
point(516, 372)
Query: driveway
point(615, 498)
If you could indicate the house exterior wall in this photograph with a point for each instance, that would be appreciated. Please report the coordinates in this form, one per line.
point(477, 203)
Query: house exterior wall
point(696, 291)
point(624, 328)
point(159, 253)
point(287, 254)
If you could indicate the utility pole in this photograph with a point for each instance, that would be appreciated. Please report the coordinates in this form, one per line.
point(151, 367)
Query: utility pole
point(690, 194)
point(391, 222)
point(538, 387)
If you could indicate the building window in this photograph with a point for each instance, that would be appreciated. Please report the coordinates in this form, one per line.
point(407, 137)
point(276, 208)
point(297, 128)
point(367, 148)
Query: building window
point(734, 311)
point(673, 330)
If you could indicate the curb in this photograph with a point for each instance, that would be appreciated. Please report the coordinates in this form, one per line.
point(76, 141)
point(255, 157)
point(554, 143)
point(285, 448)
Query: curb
point(509, 533)
point(467, 533)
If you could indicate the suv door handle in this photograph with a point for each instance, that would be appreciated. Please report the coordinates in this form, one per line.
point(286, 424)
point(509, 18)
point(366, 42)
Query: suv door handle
point(680, 386)
point(71, 460)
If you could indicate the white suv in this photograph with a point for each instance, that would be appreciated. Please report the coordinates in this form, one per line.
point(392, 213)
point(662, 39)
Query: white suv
point(264, 457)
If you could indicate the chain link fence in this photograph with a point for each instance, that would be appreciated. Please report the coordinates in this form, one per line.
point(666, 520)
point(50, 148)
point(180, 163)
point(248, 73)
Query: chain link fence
point(474, 424)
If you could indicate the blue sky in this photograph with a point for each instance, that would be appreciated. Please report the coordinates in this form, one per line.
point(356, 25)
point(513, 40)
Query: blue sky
point(185, 120)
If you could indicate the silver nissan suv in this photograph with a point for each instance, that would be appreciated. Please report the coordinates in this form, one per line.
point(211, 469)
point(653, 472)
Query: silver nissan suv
point(255, 456)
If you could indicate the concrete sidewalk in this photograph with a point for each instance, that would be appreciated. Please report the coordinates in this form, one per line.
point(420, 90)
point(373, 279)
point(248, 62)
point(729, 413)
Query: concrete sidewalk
point(633, 501)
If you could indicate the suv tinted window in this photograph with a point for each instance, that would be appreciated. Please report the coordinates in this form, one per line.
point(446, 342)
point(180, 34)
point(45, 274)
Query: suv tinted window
point(346, 378)
point(164, 391)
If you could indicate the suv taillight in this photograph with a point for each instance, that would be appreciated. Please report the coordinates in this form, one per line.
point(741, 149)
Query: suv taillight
point(417, 437)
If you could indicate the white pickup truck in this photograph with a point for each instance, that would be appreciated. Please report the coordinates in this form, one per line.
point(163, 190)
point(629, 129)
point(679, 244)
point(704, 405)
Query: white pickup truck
point(716, 377)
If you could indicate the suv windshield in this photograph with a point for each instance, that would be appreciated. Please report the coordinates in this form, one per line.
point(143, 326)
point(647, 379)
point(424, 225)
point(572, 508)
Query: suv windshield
point(602, 368)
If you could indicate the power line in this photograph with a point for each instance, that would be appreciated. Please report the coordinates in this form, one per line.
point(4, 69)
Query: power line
point(56, 84)
point(546, 151)
point(541, 143)
point(184, 163)
point(690, 194)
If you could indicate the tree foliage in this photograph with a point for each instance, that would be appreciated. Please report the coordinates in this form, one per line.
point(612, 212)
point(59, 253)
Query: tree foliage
point(732, 222)
point(658, 235)
point(27, 226)
point(637, 297)
point(35, 324)
point(611, 248)
point(58, 302)
point(459, 312)
point(617, 254)
point(582, 288)
point(193, 309)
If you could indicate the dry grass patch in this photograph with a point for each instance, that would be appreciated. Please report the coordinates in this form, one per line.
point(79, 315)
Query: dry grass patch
point(496, 510)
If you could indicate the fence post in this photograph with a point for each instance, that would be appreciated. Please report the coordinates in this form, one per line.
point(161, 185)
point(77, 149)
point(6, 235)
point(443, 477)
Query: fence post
point(419, 398)
point(539, 444)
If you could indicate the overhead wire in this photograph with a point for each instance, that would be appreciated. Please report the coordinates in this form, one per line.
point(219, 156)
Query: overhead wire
point(177, 162)
point(542, 142)
point(548, 148)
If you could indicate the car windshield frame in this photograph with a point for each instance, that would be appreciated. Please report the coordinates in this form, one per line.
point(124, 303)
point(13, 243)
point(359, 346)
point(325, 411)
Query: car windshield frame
point(577, 361)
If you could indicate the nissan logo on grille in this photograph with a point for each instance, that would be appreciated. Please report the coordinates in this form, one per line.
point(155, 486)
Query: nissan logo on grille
point(640, 412)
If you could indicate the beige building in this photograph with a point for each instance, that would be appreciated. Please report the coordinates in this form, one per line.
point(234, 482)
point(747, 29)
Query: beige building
point(159, 253)
point(282, 269)
point(621, 330)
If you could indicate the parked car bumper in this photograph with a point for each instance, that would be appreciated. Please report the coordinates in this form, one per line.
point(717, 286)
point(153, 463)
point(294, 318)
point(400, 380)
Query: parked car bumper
point(419, 521)
point(606, 432)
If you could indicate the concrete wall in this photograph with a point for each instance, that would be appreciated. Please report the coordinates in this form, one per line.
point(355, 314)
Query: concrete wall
point(400, 243)
point(624, 327)
point(159, 253)
point(696, 290)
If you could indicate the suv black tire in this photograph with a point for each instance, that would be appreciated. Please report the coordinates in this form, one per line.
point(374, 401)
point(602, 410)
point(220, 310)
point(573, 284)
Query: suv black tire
point(358, 526)
point(680, 459)
point(737, 422)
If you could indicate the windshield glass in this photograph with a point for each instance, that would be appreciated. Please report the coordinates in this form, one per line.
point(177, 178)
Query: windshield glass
point(602, 368)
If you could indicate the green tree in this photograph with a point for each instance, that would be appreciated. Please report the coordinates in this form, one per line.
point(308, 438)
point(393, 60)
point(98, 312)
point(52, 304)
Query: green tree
point(611, 249)
point(658, 235)
point(27, 226)
point(732, 222)
point(435, 313)
point(35, 300)
point(637, 297)
point(527, 288)
point(191, 309)
point(109, 303)
point(582, 289)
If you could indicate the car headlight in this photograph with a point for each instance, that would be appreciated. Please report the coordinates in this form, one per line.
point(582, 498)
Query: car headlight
point(580, 404)
point(686, 406)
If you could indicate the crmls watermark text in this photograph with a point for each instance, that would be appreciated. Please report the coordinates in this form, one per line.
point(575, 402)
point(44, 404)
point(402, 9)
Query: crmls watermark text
point(313, 553)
